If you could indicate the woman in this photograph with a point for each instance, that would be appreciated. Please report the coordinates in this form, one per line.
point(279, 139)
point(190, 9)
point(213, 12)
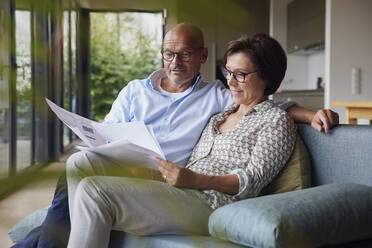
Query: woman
point(239, 152)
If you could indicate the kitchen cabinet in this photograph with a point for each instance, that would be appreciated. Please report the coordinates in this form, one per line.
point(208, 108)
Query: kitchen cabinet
point(305, 25)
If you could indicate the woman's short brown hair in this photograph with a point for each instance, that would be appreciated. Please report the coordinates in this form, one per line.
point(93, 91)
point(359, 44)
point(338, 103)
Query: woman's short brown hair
point(267, 56)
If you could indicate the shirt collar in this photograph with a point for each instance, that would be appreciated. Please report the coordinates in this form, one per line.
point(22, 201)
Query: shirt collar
point(261, 107)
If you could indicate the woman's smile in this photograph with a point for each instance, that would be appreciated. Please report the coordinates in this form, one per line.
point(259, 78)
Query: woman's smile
point(236, 92)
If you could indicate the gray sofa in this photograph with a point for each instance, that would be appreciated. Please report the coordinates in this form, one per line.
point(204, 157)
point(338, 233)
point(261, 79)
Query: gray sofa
point(336, 211)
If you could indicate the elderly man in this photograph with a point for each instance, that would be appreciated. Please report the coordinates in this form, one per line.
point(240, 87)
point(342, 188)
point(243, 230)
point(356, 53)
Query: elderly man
point(177, 103)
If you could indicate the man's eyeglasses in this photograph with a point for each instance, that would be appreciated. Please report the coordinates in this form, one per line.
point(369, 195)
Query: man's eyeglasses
point(237, 75)
point(182, 55)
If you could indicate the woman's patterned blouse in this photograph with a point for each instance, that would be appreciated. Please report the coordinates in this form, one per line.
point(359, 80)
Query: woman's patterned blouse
point(255, 150)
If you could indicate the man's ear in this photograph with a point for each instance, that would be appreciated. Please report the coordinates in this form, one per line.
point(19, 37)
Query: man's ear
point(204, 56)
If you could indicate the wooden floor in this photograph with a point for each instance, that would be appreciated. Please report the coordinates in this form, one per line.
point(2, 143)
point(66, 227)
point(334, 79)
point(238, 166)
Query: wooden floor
point(28, 199)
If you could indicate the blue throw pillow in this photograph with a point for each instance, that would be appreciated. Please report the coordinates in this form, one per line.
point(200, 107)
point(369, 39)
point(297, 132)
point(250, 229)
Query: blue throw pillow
point(24, 226)
point(323, 215)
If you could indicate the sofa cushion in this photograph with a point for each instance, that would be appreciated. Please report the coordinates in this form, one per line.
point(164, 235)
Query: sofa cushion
point(342, 155)
point(296, 173)
point(120, 239)
point(323, 215)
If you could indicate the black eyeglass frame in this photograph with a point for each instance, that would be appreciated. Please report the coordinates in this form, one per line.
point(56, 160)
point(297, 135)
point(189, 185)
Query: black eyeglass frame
point(181, 54)
point(227, 73)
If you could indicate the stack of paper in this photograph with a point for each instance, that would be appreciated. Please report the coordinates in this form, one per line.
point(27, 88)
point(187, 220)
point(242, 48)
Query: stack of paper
point(128, 141)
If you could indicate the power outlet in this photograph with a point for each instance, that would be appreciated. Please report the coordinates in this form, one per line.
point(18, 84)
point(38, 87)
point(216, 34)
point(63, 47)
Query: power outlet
point(356, 81)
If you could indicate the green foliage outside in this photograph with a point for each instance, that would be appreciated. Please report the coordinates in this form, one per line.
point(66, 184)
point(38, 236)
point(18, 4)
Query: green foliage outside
point(120, 52)
point(23, 81)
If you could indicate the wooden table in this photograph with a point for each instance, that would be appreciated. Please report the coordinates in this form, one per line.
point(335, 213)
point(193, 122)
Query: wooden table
point(355, 110)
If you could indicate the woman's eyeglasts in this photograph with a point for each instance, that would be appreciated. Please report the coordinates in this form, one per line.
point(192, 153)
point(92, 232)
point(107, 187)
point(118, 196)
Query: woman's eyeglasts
point(237, 75)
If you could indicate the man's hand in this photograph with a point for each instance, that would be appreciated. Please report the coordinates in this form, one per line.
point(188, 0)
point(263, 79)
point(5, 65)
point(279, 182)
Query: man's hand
point(324, 119)
point(175, 175)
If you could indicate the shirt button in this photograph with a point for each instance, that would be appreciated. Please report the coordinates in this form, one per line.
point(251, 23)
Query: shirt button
point(166, 120)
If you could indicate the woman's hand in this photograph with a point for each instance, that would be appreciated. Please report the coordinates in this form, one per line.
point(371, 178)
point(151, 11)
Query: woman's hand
point(182, 177)
point(176, 175)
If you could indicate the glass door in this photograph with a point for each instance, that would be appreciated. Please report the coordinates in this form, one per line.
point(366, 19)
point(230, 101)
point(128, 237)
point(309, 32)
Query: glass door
point(123, 46)
point(23, 88)
point(5, 81)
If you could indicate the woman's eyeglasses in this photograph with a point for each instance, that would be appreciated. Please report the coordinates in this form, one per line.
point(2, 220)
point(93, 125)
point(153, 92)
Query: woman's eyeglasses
point(237, 75)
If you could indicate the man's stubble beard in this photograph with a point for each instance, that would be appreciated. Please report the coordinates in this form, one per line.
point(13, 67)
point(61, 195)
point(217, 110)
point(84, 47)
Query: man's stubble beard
point(183, 81)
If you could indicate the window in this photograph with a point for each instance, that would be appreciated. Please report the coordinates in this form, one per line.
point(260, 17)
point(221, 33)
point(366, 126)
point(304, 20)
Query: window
point(69, 69)
point(4, 88)
point(24, 89)
point(30, 70)
point(124, 46)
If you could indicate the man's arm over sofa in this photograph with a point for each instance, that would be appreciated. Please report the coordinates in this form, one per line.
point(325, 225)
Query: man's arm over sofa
point(322, 120)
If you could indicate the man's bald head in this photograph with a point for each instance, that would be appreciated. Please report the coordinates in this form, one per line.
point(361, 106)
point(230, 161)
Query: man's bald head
point(187, 31)
point(184, 42)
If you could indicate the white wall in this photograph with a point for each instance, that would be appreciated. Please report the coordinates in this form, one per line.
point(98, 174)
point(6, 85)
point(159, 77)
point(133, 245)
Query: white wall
point(315, 69)
point(303, 71)
point(349, 45)
point(297, 73)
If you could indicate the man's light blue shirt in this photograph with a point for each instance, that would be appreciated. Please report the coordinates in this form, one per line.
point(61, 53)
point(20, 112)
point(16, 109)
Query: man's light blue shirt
point(177, 123)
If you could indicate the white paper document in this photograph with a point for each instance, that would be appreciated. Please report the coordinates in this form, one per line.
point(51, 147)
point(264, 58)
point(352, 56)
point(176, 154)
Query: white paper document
point(120, 142)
